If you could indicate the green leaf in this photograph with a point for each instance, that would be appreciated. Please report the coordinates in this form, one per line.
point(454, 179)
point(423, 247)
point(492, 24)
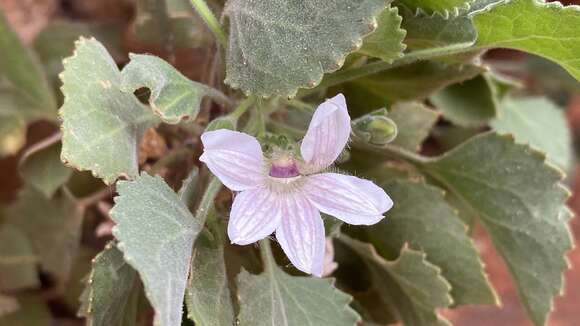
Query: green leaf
point(32, 312)
point(276, 47)
point(411, 82)
point(545, 29)
point(101, 125)
point(386, 42)
point(42, 169)
point(173, 96)
point(435, 33)
point(275, 298)
point(156, 232)
point(444, 8)
point(414, 122)
point(208, 296)
point(521, 203)
point(53, 225)
point(410, 287)
point(471, 103)
point(17, 260)
point(434, 228)
point(539, 123)
point(170, 23)
point(113, 290)
point(22, 70)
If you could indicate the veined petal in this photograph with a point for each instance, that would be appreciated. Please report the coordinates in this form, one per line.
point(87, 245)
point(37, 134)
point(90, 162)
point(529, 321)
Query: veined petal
point(355, 201)
point(301, 234)
point(234, 157)
point(327, 134)
point(255, 215)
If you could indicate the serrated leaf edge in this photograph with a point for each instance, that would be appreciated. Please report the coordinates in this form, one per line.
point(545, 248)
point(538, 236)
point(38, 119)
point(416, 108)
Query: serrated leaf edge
point(446, 14)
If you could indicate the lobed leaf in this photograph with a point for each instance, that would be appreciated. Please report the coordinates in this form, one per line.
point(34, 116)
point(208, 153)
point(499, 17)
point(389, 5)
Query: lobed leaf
point(386, 42)
point(409, 288)
point(521, 203)
point(101, 125)
point(435, 229)
point(156, 232)
point(173, 97)
point(539, 123)
point(276, 47)
point(549, 30)
point(444, 8)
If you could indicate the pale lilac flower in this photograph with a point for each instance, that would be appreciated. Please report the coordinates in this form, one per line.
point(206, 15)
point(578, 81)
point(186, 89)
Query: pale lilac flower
point(285, 194)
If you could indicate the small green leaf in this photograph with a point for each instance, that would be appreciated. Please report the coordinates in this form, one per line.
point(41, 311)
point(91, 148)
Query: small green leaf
point(173, 96)
point(386, 42)
point(42, 169)
point(53, 225)
point(539, 123)
point(208, 296)
point(156, 232)
point(433, 227)
point(32, 311)
point(17, 260)
point(414, 122)
point(411, 82)
point(276, 47)
point(521, 203)
point(549, 30)
point(22, 70)
point(101, 125)
point(275, 298)
point(444, 8)
point(409, 287)
point(169, 23)
point(470, 103)
point(113, 290)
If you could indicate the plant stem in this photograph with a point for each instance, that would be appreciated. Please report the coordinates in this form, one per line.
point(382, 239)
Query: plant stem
point(211, 21)
point(219, 97)
point(242, 108)
point(392, 151)
point(172, 156)
point(206, 202)
point(266, 254)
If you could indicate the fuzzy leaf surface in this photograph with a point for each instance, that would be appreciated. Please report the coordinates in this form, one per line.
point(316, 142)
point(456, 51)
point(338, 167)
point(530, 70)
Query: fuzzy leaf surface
point(156, 232)
point(276, 47)
point(386, 42)
point(521, 203)
point(101, 125)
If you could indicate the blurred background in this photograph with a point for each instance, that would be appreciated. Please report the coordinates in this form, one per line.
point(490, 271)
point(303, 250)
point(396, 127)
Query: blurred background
point(51, 27)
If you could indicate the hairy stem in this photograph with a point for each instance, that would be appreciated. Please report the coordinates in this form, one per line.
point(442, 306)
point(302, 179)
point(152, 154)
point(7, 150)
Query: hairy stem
point(267, 256)
point(242, 108)
point(211, 21)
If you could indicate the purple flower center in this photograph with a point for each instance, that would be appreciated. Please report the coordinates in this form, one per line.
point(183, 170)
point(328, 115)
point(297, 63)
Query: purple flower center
point(284, 168)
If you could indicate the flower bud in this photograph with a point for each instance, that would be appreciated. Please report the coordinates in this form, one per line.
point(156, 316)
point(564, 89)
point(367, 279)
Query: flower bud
point(375, 128)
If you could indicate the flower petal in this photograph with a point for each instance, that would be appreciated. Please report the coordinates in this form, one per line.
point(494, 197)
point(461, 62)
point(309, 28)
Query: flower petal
point(255, 215)
point(327, 134)
point(301, 234)
point(351, 199)
point(234, 157)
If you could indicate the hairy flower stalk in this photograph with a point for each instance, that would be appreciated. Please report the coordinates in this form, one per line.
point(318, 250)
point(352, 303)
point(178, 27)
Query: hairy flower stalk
point(285, 194)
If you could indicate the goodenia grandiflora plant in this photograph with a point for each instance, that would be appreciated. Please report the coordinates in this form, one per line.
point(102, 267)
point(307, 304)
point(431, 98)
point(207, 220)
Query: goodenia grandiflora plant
point(254, 233)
